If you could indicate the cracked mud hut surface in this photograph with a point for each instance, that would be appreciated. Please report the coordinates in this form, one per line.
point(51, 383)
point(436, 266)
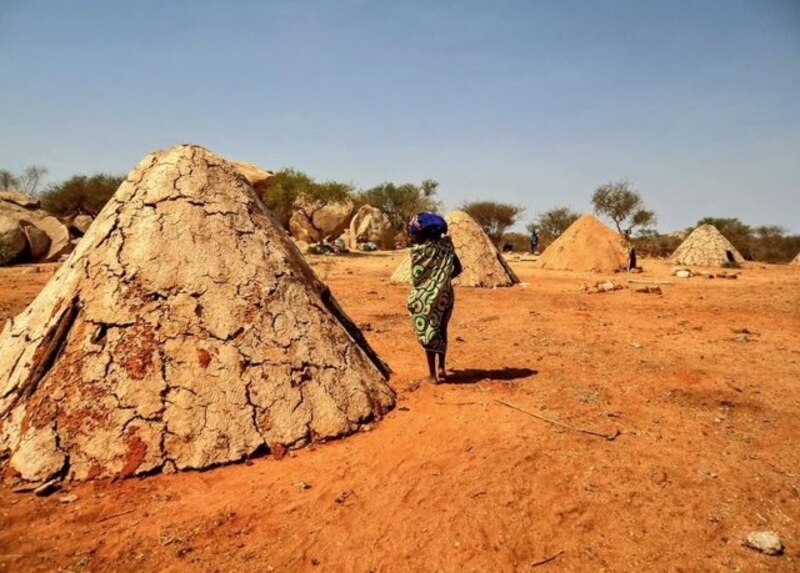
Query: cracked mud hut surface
point(185, 331)
point(483, 264)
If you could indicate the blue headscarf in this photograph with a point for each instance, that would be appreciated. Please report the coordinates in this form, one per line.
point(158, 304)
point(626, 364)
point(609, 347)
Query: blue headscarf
point(429, 224)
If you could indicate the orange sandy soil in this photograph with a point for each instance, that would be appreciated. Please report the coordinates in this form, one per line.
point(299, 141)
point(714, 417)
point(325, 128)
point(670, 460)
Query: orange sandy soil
point(451, 480)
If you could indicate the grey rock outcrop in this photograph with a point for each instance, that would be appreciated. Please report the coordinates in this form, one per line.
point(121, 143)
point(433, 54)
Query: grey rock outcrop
point(185, 331)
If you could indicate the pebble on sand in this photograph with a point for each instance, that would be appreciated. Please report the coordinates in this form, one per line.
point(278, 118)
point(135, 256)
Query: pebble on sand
point(766, 542)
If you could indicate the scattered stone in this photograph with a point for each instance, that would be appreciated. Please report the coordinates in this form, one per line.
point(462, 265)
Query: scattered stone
point(48, 488)
point(649, 290)
point(25, 487)
point(303, 485)
point(683, 273)
point(767, 542)
point(729, 276)
point(81, 223)
point(71, 498)
point(744, 331)
point(602, 287)
point(342, 497)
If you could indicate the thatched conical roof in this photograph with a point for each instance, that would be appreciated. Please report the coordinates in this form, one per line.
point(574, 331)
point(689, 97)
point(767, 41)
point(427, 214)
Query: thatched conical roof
point(706, 247)
point(483, 264)
point(185, 331)
point(587, 245)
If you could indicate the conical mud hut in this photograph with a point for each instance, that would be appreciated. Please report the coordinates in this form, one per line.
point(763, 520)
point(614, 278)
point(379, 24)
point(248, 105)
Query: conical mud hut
point(707, 247)
point(483, 264)
point(185, 331)
point(587, 245)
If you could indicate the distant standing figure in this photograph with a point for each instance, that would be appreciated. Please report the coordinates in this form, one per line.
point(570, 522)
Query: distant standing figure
point(434, 265)
point(534, 241)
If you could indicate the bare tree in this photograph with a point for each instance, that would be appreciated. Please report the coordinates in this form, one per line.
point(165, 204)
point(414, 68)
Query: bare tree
point(31, 179)
point(8, 180)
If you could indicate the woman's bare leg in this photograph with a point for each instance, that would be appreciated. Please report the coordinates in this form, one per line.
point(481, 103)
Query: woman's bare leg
point(431, 356)
point(442, 370)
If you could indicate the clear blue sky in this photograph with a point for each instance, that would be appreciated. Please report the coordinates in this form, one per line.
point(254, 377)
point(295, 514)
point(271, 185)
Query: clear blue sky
point(697, 103)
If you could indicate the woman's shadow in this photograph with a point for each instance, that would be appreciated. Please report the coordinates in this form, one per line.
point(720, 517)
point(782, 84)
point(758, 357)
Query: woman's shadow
point(475, 375)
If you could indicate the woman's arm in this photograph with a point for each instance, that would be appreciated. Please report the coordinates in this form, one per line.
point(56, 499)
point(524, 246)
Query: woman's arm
point(457, 268)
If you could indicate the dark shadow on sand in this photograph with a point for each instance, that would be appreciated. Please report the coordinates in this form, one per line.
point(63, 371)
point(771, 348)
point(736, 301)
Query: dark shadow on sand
point(474, 375)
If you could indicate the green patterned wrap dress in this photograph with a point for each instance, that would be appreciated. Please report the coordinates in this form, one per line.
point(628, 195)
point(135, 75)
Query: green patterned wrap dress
point(430, 302)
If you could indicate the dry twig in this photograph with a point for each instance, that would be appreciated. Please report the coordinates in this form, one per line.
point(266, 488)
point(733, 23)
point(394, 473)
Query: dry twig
point(548, 559)
point(609, 437)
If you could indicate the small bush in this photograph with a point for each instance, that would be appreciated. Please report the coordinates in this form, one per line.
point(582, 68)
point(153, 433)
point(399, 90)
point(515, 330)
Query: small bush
point(81, 194)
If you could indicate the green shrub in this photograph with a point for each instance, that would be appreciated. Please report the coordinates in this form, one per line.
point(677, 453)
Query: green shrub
point(81, 194)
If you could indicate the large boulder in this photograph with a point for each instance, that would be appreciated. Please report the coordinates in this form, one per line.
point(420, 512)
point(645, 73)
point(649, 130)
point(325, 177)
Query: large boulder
point(81, 223)
point(20, 199)
point(370, 224)
point(38, 241)
point(313, 221)
point(58, 233)
point(256, 176)
point(12, 240)
point(185, 331)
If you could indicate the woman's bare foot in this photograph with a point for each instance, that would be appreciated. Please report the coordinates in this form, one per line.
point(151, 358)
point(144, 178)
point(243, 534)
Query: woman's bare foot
point(434, 380)
point(442, 376)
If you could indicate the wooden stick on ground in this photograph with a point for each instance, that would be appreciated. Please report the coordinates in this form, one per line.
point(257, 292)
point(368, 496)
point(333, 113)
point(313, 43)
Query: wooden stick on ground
point(609, 437)
point(548, 559)
point(113, 515)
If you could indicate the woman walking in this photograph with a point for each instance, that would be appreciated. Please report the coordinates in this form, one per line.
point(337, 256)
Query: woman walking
point(433, 266)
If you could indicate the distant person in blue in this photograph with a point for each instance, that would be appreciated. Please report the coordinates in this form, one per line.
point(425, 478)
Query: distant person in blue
point(534, 241)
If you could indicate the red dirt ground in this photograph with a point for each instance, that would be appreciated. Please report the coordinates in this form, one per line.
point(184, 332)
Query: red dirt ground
point(452, 480)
